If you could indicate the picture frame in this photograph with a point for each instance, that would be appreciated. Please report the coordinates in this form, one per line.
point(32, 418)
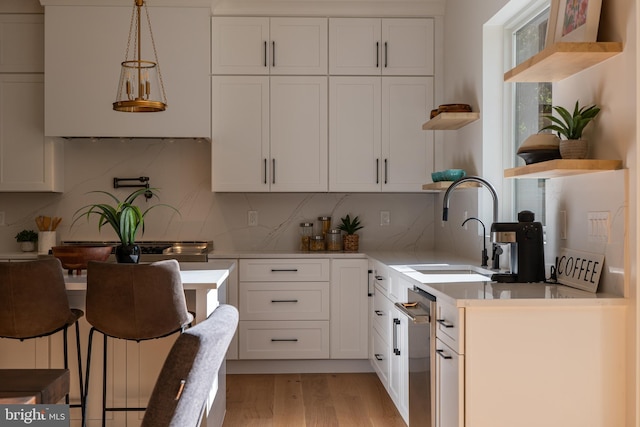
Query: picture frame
point(573, 21)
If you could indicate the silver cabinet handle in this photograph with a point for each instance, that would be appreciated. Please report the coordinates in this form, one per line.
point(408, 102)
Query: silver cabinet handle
point(445, 323)
point(396, 350)
point(284, 300)
point(379, 357)
point(379, 313)
point(442, 354)
point(284, 339)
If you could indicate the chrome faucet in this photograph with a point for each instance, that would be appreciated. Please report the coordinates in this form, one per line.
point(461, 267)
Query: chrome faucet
point(496, 250)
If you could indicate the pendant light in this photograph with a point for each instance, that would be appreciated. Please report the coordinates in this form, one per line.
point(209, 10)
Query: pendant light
point(141, 88)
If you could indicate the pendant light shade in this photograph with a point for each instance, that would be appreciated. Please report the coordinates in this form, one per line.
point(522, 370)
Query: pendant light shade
point(140, 89)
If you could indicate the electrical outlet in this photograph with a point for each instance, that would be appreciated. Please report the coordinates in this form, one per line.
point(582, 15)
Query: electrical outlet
point(598, 224)
point(384, 218)
point(1, 218)
point(252, 218)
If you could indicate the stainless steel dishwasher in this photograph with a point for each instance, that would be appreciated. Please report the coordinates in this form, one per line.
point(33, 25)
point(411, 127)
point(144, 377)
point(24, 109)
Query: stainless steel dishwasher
point(420, 310)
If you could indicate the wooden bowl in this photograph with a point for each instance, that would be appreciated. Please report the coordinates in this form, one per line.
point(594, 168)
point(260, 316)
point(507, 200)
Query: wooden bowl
point(76, 257)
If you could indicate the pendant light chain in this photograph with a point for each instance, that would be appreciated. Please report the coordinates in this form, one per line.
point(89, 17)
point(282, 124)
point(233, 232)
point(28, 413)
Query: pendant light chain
point(155, 54)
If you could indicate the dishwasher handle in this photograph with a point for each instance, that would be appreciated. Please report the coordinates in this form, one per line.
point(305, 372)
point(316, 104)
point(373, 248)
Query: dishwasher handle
point(415, 311)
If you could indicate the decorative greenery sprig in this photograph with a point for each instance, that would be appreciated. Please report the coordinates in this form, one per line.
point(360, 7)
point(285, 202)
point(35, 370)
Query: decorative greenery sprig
point(350, 226)
point(124, 217)
point(27, 236)
point(571, 125)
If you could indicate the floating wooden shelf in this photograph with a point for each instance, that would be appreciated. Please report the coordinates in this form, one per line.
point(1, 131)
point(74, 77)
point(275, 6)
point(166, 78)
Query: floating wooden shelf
point(562, 60)
point(443, 185)
point(562, 167)
point(450, 121)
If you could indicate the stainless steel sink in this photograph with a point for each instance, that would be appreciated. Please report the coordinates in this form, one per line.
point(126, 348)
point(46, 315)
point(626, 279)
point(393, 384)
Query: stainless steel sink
point(430, 273)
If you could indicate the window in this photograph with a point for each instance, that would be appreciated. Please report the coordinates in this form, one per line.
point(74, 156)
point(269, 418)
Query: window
point(530, 101)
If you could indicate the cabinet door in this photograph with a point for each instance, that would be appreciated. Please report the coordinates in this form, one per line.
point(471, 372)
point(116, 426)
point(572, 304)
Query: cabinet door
point(399, 365)
point(349, 309)
point(240, 133)
point(407, 150)
point(449, 386)
point(28, 161)
point(354, 46)
point(239, 45)
point(354, 134)
point(408, 47)
point(298, 46)
point(380, 357)
point(21, 43)
point(298, 134)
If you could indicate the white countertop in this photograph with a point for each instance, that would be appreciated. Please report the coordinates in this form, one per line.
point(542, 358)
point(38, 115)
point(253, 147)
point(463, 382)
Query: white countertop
point(191, 279)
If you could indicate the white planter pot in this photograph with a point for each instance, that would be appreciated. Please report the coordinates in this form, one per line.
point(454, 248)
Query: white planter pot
point(28, 246)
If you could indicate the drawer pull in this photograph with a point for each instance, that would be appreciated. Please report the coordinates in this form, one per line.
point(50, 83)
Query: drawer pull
point(379, 357)
point(379, 277)
point(445, 323)
point(379, 313)
point(442, 354)
point(284, 300)
point(277, 270)
point(284, 339)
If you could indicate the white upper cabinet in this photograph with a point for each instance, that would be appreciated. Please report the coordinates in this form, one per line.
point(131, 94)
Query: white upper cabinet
point(375, 138)
point(28, 160)
point(371, 46)
point(274, 46)
point(269, 133)
point(21, 43)
point(84, 46)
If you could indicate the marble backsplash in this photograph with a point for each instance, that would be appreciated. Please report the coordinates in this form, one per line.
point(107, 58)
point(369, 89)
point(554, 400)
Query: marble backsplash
point(180, 169)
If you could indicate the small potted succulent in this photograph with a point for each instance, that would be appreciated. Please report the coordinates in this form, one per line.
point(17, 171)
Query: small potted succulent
point(27, 240)
point(570, 126)
point(350, 240)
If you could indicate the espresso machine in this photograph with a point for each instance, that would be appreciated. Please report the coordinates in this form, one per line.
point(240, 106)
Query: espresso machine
point(526, 248)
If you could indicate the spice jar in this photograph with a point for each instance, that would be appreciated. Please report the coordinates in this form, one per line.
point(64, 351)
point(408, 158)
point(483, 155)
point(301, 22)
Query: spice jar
point(334, 240)
point(317, 243)
point(325, 224)
point(306, 231)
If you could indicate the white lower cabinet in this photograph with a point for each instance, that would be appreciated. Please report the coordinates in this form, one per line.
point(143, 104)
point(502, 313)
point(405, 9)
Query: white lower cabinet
point(303, 309)
point(448, 376)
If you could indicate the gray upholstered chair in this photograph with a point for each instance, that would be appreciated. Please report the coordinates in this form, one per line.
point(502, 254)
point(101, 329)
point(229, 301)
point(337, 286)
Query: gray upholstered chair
point(34, 303)
point(133, 302)
point(179, 396)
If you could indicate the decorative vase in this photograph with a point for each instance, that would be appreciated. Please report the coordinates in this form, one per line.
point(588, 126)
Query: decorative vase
point(350, 242)
point(27, 246)
point(127, 254)
point(574, 148)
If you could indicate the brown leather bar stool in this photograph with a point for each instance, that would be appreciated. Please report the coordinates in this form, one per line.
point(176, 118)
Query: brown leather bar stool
point(133, 302)
point(34, 304)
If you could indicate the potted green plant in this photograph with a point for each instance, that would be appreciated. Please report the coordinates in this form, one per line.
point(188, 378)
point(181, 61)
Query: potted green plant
point(124, 217)
point(27, 240)
point(351, 240)
point(570, 126)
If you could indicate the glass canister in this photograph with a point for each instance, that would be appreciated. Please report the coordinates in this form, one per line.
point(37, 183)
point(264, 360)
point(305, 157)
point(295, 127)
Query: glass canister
point(334, 240)
point(325, 224)
point(317, 243)
point(306, 231)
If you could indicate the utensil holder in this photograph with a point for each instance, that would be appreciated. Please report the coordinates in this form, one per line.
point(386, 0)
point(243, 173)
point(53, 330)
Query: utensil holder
point(46, 240)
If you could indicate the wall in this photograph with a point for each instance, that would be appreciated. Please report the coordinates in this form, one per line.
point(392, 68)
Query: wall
point(181, 170)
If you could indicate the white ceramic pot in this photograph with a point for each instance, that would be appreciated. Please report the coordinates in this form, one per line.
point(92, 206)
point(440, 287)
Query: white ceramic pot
point(574, 148)
point(28, 246)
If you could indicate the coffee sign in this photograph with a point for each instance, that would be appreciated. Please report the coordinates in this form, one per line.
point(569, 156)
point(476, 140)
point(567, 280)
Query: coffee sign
point(579, 270)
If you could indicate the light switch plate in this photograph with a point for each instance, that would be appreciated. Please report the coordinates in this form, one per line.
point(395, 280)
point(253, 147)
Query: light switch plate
point(385, 219)
point(252, 218)
point(598, 224)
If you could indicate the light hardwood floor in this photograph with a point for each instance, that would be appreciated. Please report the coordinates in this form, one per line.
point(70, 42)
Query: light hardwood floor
point(309, 400)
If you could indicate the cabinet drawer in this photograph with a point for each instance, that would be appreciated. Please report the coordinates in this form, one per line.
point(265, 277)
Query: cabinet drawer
point(284, 340)
point(381, 314)
point(450, 326)
point(380, 358)
point(284, 301)
point(284, 270)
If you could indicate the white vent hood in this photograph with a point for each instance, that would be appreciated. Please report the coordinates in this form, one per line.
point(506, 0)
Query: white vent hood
point(84, 46)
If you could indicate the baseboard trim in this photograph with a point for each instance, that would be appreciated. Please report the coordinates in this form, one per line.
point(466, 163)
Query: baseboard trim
point(297, 366)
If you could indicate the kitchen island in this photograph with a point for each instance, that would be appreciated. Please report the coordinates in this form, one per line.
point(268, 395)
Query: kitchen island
point(134, 366)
